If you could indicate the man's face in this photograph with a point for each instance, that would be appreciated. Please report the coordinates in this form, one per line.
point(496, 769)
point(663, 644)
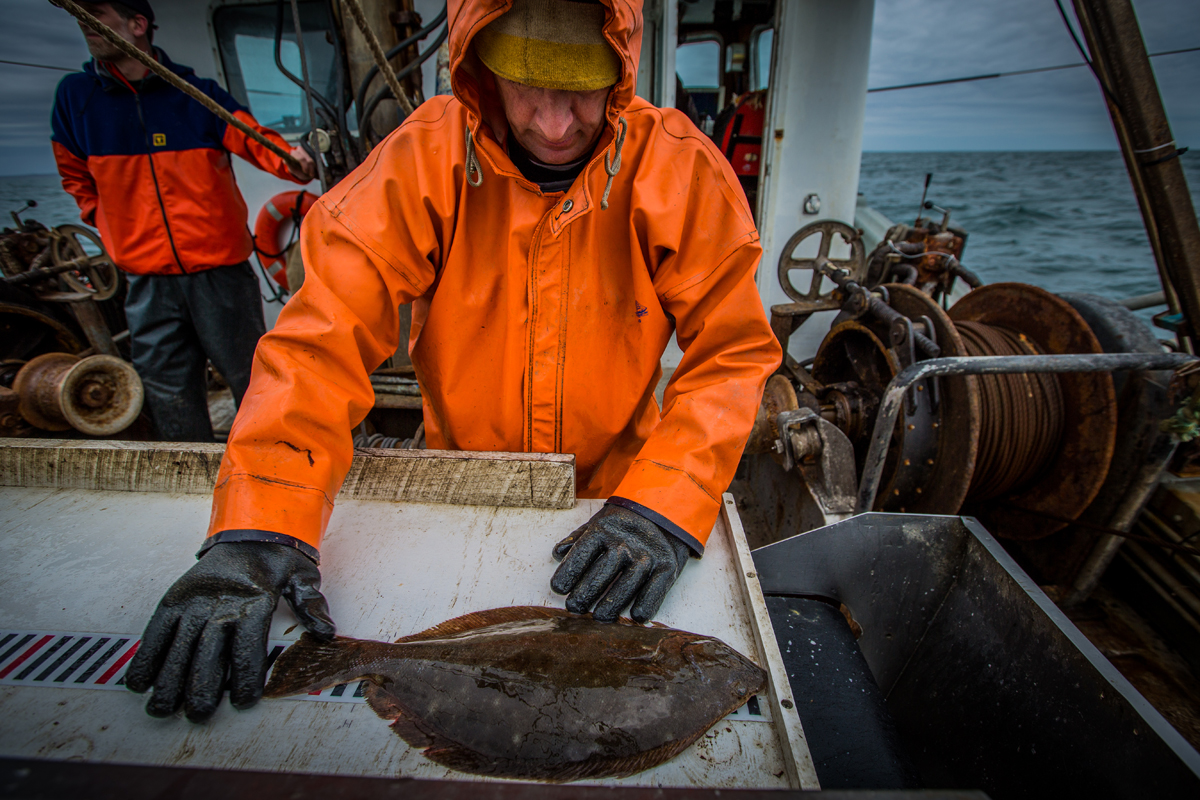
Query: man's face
point(554, 126)
point(129, 30)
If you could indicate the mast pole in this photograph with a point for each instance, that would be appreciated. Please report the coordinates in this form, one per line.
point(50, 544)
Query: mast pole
point(1121, 64)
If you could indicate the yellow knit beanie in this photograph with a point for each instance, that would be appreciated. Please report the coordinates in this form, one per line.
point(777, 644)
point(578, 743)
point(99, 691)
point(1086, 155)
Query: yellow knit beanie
point(551, 44)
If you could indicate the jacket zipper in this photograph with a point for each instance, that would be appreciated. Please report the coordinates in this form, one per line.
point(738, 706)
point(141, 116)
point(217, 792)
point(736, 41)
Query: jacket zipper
point(534, 246)
point(137, 99)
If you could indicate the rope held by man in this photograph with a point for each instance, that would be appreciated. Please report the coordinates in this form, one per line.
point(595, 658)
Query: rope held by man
point(149, 63)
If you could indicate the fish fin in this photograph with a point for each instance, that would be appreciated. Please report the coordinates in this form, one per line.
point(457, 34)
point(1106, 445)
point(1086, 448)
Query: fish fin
point(418, 735)
point(383, 702)
point(311, 664)
point(450, 754)
point(481, 619)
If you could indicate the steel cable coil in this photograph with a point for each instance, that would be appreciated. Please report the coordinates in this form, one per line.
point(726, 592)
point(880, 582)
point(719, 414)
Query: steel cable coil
point(1021, 414)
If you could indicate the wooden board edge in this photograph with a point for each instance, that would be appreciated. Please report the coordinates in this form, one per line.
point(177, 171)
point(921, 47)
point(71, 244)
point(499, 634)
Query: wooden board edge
point(528, 480)
point(802, 773)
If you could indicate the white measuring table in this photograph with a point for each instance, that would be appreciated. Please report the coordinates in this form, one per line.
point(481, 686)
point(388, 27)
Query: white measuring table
point(83, 569)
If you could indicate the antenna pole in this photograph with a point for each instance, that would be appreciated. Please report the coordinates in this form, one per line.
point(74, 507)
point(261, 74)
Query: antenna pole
point(925, 191)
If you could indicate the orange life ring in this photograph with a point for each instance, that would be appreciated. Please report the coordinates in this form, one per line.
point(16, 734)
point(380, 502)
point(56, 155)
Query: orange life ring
point(279, 210)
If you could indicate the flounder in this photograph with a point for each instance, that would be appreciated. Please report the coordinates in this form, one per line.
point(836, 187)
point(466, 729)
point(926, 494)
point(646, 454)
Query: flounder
point(535, 693)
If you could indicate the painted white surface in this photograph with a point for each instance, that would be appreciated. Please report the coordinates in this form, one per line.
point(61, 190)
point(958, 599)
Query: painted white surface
point(813, 137)
point(99, 561)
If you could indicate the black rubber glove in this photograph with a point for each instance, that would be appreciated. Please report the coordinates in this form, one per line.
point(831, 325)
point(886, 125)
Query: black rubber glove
point(626, 554)
point(215, 619)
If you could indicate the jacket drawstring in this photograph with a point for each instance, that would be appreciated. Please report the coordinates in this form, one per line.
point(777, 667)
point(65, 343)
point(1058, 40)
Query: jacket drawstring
point(613, 166)
point(473, 164)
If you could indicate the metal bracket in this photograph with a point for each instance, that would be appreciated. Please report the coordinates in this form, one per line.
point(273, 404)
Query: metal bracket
point(824, 457)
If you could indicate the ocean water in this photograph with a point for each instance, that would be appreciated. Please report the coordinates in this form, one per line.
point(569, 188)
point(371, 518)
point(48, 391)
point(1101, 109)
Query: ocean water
point(1067, 222)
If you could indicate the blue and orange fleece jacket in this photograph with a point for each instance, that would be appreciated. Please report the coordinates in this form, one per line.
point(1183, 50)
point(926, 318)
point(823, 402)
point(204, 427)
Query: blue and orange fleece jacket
point(149, 167)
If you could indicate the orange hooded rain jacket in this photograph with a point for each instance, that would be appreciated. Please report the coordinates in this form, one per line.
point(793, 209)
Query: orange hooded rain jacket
point(538, 318)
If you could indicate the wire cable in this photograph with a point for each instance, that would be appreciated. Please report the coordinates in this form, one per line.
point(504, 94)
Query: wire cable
point(1083, 54)
point(990, 75)
point(38, 66)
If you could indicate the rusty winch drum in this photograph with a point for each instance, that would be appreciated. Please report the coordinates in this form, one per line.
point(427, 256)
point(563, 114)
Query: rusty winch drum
point(98, 395)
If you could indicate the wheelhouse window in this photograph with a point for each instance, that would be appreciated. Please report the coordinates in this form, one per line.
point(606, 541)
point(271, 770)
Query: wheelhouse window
point(246, 41)
point(761, 58)
point(698, 65)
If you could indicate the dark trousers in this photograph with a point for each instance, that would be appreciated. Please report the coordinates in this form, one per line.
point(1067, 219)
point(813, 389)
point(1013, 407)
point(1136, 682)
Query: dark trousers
point(176, 323)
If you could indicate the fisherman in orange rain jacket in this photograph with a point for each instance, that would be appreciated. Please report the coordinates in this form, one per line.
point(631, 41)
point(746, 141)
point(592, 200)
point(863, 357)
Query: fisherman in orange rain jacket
point(150, 168)
point(552, 231)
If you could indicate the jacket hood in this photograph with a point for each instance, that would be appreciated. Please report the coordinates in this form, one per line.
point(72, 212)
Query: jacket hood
point(470, 80)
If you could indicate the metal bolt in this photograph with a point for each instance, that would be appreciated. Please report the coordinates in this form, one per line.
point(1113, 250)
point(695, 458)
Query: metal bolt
point(785, 703)
point(568, 205)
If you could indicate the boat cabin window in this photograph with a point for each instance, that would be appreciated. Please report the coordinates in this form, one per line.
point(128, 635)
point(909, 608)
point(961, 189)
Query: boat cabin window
point(246, 40)
point(698, 65)
point(760, 58)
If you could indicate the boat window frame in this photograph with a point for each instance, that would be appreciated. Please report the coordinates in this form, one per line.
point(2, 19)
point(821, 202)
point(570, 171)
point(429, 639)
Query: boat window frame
point(238, 88)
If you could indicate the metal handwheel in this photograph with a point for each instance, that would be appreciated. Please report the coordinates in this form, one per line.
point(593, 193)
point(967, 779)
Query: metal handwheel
point(96, 274)
point(855, 266)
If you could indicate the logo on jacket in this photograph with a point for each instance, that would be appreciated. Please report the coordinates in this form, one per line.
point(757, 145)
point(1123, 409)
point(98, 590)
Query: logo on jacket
point(160, 140)
point(640, 310)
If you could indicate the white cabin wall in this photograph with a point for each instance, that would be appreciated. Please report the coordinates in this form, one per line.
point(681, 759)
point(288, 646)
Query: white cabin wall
point(656, 64)
point(813, 137)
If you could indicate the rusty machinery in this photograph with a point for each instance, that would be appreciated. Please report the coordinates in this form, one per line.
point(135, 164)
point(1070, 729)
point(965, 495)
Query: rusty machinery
point(1030, 450)
point(60, 364)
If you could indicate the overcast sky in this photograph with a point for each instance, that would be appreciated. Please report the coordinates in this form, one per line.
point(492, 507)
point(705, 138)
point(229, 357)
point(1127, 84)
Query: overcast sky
point(914, 40)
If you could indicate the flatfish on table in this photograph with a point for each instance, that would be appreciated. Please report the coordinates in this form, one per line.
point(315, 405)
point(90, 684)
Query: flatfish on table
point(535, 693)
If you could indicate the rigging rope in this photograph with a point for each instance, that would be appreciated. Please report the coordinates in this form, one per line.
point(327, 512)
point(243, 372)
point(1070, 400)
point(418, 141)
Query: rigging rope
point(385, 68)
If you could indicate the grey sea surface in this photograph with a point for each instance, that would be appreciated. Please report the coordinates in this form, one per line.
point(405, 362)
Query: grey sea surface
point(1065, 221)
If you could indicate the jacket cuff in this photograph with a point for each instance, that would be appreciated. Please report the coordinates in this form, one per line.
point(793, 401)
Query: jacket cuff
point(244, 502)
point(665, 489)
point(658, 519)
point(225, 537)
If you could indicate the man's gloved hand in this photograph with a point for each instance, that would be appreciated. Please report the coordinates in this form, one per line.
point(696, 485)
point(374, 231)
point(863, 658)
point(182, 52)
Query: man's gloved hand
point(638, 558)
point(217, 616)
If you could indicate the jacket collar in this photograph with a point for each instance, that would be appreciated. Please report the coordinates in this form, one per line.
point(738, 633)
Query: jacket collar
point(111, 83)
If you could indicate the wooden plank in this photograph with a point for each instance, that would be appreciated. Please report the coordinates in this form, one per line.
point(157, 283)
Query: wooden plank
point(189, 468)
point(519, 480)
point(802, 773)
point(398, 401)
point(512, 480)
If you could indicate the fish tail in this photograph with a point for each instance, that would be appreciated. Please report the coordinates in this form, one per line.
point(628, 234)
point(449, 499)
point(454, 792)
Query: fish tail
point(310, 665)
